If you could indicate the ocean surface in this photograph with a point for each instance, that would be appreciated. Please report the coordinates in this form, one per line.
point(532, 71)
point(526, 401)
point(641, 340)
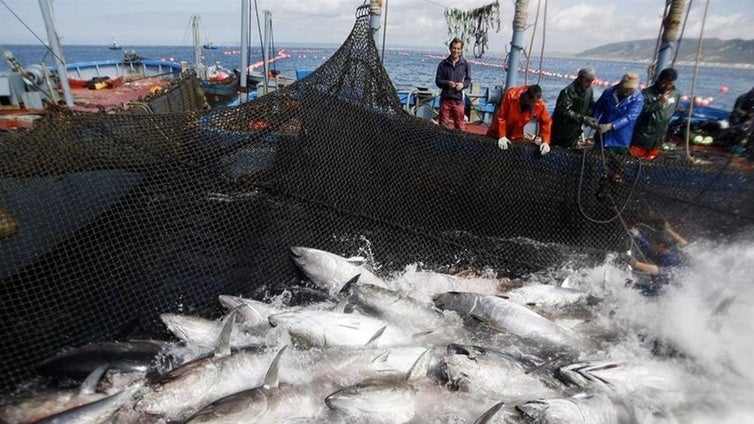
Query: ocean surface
point(718, 85)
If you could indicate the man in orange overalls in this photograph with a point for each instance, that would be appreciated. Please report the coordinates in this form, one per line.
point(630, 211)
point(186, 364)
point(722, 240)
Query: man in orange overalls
point(519, 106)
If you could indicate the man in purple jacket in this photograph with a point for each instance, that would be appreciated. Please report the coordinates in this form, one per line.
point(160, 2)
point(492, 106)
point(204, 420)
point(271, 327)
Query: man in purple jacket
point(453, 75)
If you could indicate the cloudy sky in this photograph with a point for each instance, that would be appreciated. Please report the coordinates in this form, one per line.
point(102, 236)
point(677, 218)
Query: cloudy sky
point(571, 25)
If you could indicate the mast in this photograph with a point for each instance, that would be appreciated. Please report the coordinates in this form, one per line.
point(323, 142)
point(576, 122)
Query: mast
point(198, 65)
point(57, 51)
point(519, 25)
point(244, 48)
point(375, 14)
point(266, 49)
point(670, 29)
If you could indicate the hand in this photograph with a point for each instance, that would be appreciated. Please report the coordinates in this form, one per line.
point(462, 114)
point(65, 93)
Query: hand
point(503, 143)
point(603, 128)
point(544, 149)
point(537, 140)
point(590, 122)
point(634, 232)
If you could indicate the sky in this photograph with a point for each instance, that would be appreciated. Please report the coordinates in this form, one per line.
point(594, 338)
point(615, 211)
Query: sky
point(571, 26)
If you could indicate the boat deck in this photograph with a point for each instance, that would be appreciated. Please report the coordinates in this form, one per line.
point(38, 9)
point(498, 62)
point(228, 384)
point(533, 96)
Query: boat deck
point(118, 96)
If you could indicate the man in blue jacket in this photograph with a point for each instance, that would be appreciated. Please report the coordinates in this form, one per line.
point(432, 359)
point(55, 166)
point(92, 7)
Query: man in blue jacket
point(616, 112)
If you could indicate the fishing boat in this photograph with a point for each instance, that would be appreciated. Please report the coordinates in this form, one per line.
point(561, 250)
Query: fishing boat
point(209, 46)
point(114, 45)
point(220, 84)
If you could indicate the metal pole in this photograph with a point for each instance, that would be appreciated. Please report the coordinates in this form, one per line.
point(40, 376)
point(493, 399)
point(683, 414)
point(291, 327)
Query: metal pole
point(375, 15)
point(670, 28)
point(244, 48)
point(57, 51)
point(198, 65)
point(266, 49)
point(519, 25)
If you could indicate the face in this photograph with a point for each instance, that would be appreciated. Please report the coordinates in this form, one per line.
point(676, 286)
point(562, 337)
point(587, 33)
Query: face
point(455, 50)
point(666, 84)
point(625, 91)
point(529, 100)
point(585, 82)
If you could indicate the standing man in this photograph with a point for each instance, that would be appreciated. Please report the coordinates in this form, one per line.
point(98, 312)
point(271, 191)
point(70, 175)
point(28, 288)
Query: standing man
point(519, 106)
point(660, 103)
point(453, 75)
point(616, 112)
point(573, 108)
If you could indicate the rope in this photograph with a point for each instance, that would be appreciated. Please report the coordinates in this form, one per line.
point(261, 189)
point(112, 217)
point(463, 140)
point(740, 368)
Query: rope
point(531, 44)
point(614, 206)
point(542, 51)
point(652, 68)
point(475, 23)
point(31, 31)
point(693, 83)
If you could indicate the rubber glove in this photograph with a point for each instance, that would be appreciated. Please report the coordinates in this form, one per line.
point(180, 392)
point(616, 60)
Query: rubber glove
point(634, 232)
point(603, 128)
point(503, 143)
point(544, 149)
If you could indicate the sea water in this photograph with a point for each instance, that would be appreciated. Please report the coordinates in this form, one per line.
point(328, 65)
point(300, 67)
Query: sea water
point(417, 68)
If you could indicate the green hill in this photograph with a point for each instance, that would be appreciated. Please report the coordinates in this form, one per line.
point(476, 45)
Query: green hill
point(714, 50)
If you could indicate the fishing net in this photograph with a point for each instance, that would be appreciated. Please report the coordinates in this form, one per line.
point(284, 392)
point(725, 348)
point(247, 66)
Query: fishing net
point(108, 221)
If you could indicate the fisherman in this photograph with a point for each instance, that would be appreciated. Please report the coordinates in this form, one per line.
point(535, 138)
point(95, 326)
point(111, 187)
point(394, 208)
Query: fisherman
point(743, 109)
point(661, 255)
point(617, 110)
point(453, 75)
point(660, 103)
point(519, 106)
point(572, 109)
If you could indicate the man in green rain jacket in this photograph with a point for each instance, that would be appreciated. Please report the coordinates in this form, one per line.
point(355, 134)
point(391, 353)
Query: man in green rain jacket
point(660, 103)
point(573, 108)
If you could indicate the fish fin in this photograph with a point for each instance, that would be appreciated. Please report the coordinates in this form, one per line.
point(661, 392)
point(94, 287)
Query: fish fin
point(373, 340)
point(222, 345)
point(382, 357)
point(89, 386)
point(488, 414)
point(271, 380)
point(347, 287)
point(420, 367)
point(356, 260)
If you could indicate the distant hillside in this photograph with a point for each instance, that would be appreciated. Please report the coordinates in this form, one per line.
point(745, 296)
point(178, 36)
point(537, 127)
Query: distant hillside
point(714, 50)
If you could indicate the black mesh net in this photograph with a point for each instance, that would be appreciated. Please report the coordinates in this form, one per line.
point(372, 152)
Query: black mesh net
point(110, 220)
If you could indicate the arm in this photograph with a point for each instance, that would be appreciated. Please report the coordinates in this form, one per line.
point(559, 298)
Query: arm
point(634, 110)
point(441, 80)
point(545, 122)
point(679, 239)
point(646, 267)
point(564, 107)
point(467, 77)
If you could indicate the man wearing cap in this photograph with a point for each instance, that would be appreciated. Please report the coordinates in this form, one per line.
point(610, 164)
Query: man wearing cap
point(572, 109)
point(519, 106)
point(616, 112)
point(660, 103)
